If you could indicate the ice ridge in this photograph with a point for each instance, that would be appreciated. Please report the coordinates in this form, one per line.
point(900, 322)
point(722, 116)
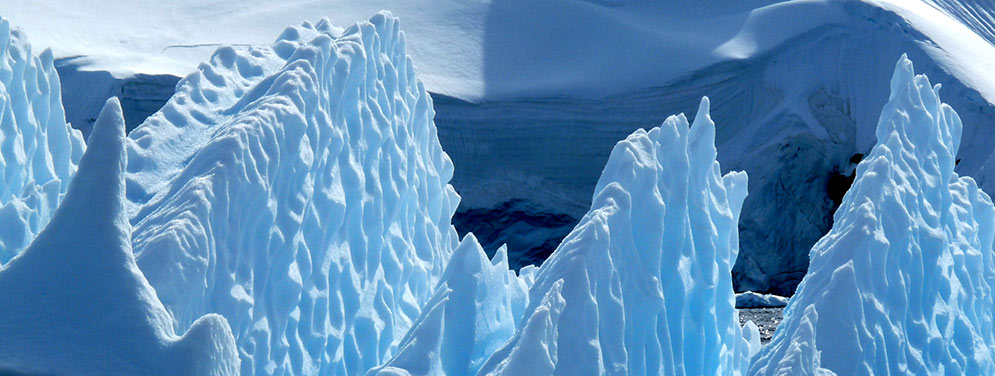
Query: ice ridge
point(74, 302)
point(38, 150)
point(902, 284)
point(300, 191)
point(642, 285)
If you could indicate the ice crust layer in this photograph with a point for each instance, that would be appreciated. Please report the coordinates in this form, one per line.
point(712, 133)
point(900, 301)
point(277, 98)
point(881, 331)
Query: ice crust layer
point(74, 302)
point(643, 284)
point(902, 284)
point(38, 150)
point(300, 191)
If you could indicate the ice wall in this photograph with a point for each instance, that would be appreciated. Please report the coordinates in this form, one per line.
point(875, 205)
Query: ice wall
point(642, 285)
point(74, 302)
point(902, 284)
point(300, 191)
point(38, 150)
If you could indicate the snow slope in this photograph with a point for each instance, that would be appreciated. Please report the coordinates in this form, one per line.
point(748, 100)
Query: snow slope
point(74, 302)
point(38, 150)
point(903, 282)
point(643, 284)
point(300, 191)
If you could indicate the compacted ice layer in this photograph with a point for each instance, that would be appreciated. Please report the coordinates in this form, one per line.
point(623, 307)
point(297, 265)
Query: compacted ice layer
point(74, 302)
point(38, 150)
point(300, 191)
point(902, 284)
point(643, 284)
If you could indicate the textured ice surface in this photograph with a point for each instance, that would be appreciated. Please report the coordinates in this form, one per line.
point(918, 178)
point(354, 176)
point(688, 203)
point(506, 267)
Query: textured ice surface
point(642, 285)
point(38, 150)
point(300, 191)
point(902, 284)
point(74, 302)
point(475, 310)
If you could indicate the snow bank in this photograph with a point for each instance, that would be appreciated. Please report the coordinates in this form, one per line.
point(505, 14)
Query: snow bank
point(902, 284)
point(38, 150)
point(299, 190)
point(642, 285)
point(74, 302)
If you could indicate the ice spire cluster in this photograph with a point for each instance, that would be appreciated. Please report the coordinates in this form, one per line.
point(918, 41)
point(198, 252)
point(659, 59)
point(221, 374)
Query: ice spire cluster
point(902, 284)
point(38, 150)
point(74, 302)
point(642, 285)
point(300, 191)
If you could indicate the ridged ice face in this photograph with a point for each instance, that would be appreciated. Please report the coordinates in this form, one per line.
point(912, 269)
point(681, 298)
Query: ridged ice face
point(301, 192)
point(38, 150)
point(642, 286)
point(903, 282)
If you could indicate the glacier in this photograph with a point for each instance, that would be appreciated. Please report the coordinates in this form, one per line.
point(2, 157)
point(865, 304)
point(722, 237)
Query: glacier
point(74, 301)
point(39, 151)
point(300, 191)
point(522, 88)
point(902, 284)
point(643, 284)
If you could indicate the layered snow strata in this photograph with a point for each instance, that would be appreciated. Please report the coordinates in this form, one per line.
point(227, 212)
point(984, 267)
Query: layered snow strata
point(299, 190)
point(475, 310)
point(902, 284)
point(74, 302)
point(38, 150)
point(642, 285)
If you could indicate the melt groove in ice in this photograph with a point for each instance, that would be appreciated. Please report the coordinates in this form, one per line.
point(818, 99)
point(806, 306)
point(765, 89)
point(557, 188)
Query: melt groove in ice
point(301, 192)
point(902, 284)
point(38, 150)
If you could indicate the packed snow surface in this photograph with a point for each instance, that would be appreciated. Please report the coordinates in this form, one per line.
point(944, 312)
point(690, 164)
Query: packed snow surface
point(38, 150)
point(643, 284)
point(902, 284)
point(74, 302)
point(300, 191)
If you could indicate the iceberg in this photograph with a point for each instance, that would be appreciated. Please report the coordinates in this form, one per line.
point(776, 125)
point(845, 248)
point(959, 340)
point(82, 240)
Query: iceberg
point(902, 284)
point(300, 191)
point(74, 302)
point(474, 311)
point(38, 150)
point(643, 284)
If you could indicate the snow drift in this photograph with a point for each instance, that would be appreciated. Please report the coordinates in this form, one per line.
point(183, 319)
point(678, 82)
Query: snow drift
point(902, 284)
point(74, 302)
point(299, 190)
point(38, 150)
point(643, 284)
